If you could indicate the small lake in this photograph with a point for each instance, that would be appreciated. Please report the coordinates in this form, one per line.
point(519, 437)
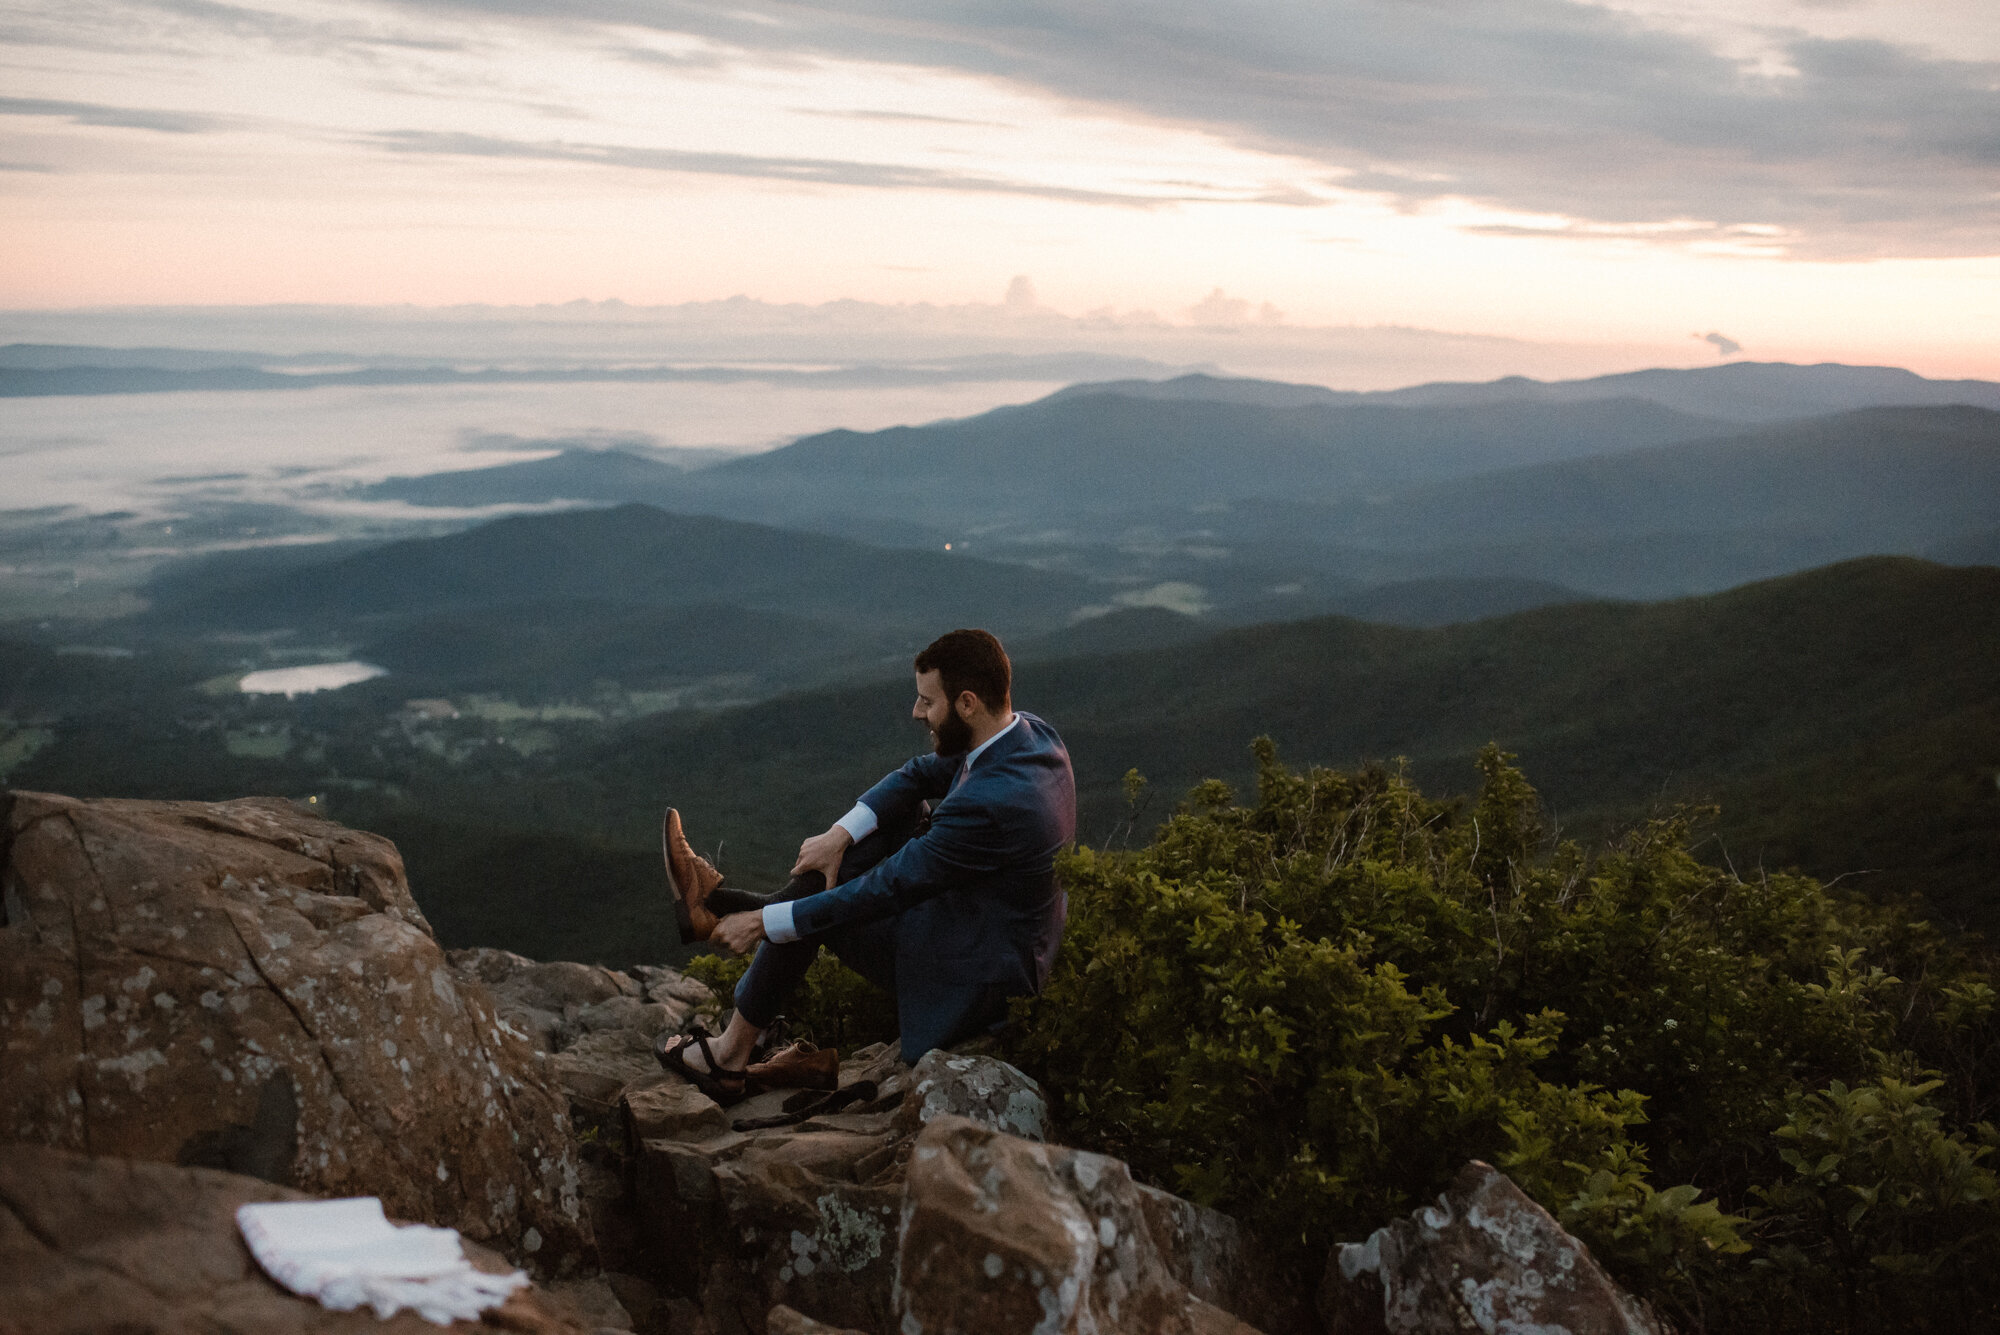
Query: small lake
point(309, 678)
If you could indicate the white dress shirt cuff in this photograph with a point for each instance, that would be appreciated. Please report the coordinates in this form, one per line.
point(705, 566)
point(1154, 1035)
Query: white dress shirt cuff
point(859, 823)
point(778, 922)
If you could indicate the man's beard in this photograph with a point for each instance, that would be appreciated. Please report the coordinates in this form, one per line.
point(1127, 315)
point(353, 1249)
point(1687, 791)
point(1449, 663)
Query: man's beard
point(953, 737)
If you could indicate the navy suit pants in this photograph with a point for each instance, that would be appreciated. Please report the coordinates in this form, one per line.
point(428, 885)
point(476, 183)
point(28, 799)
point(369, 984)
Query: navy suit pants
point(868, 948)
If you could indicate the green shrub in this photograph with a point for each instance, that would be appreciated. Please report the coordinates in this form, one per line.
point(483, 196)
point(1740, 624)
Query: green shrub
point(1313, 1009)
point(835, 1007)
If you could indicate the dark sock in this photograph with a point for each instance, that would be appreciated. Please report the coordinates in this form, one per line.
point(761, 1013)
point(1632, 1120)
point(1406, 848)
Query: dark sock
point(805, 883)
point(727, 899)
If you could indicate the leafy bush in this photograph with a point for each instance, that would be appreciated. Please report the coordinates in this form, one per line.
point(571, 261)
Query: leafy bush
point(1312, 1010)
point(834, 1007)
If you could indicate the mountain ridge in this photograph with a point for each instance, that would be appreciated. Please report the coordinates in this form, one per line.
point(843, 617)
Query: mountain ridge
point(1742, 391)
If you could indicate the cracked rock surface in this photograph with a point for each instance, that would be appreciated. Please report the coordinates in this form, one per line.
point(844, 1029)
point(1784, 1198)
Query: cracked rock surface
point(94, 1245)
point(1000, 1233)
point(1484, 1258)
point(189, 987)
point(239, 985)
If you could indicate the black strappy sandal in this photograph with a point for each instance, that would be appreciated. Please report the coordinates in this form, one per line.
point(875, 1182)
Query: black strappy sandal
point(712, 1082)
point(808, 1103)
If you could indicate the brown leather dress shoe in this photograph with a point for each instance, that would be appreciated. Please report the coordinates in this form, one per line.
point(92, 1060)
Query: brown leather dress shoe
point(798, 1066)
point(691, 880)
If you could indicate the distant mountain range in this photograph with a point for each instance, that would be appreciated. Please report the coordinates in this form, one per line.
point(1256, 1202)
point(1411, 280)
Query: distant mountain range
point(637, 556)
point(1735, 391)
point(1076, 458)
point(608, 476)
point(43, 369)
point(1074, 455)
point(1615, 497)
point(543, 606)
point(1656, 522)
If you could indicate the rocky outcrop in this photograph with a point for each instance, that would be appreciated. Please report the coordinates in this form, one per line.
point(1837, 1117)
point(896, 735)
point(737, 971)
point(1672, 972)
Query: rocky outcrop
point(1485, 1258)
point(106, 1244)
point(1000, 1233)
point(242, 986)
point(194, 987)
point(595, 1025)
point(803, 1215)
point(817, 1216)
point(983, 1089)
point(594, 1029)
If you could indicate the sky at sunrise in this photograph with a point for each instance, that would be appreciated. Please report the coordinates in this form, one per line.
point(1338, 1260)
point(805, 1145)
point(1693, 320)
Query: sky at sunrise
point(1808, 179)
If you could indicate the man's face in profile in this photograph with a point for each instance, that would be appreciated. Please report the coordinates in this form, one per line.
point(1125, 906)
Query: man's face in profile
point(950, 734)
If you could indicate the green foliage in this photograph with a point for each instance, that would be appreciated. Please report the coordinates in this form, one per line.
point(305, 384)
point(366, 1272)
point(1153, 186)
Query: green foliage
point(1311, 1010)
point(720, 972)
point(835, 1007)
point(1883, 1201)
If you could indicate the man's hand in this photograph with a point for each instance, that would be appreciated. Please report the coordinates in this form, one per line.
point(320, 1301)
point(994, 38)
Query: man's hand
point(739, 932)
point(822, 853)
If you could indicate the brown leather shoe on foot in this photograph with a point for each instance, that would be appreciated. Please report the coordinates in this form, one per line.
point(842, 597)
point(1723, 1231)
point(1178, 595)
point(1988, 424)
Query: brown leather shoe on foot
point(798, 1066)
point(691, 880)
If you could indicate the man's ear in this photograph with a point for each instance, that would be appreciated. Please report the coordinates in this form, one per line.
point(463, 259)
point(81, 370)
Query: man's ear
point(968, 704)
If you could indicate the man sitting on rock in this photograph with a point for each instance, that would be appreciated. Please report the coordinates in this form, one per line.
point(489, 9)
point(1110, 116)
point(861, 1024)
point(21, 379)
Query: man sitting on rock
point(953, 912)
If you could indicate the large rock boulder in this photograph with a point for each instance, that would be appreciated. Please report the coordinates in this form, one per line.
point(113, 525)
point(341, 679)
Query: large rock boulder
point(801, 1215)
point(594, 1030)
point(595, 1025)
point(1000, 1233)
point(95, 1245)
point(239, 985)
point(985, 1089)
point(755, 1219)
point(1485, 1258)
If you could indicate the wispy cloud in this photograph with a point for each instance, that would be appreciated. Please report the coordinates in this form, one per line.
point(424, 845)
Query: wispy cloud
point(182, 28)
point(895, 117)
point(127, 118)
point(808, 171)
point(1551, 107)
point(288, 30)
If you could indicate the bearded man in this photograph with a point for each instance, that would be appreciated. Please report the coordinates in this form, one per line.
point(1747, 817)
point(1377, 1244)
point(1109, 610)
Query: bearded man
point(939, 886)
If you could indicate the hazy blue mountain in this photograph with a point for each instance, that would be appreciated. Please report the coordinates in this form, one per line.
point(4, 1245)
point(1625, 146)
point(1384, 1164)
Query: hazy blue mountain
point(1739, 391)
point(1969, 549)
point(67, 356)
point(637, 555)
point(63, 356)
point(1114, 633)
point(1877, 480)
point(613, 476)
point(562, 648)
point(40, 369)
point(1448, 601)
point(1207, 388)
point(1734, 391)
point(1097, 455)
point(212, 577)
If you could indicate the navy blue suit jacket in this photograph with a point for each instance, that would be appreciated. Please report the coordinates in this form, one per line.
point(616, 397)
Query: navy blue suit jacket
point(978, 910)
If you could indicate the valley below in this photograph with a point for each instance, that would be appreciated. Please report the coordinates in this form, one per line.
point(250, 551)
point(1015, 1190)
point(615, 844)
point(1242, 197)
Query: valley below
point(1664, 589)
point(1565, 797)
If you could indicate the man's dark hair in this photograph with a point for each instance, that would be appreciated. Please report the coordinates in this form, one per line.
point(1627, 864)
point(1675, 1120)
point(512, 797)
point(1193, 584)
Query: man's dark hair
point(970, 660)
